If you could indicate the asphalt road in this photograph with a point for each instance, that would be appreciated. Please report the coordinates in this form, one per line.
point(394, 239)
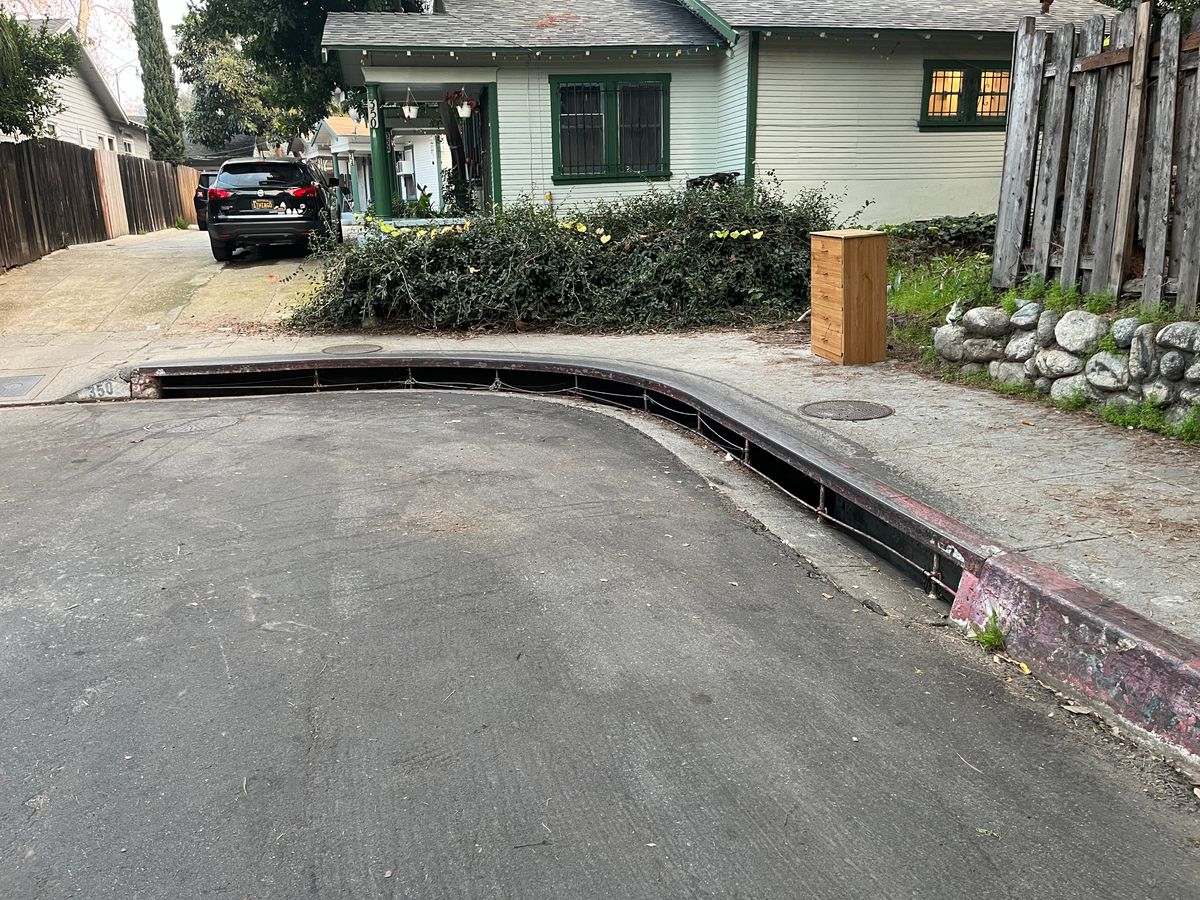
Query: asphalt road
point(432, 646)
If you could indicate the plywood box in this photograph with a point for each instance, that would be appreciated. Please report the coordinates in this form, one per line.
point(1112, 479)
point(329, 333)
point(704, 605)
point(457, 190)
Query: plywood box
point(849, 296)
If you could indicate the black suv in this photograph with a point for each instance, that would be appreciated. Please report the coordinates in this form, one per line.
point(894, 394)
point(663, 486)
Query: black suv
point(270, 201)
point(201, 199)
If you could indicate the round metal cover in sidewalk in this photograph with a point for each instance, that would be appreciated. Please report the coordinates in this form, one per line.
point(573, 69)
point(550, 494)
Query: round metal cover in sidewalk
point(847, 410)
point(351, 349)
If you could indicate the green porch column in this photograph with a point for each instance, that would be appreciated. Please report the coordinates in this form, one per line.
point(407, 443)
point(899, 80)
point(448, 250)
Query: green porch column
point(341, 202)
point(379, 154)
point(355, 187)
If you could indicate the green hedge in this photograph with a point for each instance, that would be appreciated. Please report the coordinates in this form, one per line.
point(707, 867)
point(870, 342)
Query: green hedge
point(660, 260)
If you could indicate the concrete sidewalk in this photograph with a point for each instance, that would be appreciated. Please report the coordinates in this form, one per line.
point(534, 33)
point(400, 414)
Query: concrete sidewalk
point(1115, 510)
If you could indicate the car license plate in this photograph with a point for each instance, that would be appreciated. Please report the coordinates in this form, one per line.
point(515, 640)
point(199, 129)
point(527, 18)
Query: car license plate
point(263, 204)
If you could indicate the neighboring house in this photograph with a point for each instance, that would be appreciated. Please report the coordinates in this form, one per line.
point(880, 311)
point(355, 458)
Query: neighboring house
point(894, 102)
point(417, 154)
point(91, 115)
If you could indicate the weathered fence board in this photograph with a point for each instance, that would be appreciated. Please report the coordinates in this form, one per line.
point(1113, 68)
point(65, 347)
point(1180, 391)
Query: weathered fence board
point(1128, 124)
point(1131, 160)
point(1108, 164)
point(1050, 172)
point(1158, 193)
point(1079, 160)
point(54, 194)
point(1189, 202)
point(1020, 147)
point(108, 172)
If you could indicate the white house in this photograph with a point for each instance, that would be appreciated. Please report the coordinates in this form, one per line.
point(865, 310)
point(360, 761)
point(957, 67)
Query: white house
point(893, 102)
point(91, 115)
point(416, 157)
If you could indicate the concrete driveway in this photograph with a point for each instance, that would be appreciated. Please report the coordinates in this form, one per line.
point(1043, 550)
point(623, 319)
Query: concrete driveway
point(432, 646)
point(165, 281)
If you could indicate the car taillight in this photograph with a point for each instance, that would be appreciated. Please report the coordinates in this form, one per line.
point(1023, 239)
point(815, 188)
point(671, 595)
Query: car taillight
point(219, 194)
point(309, 191)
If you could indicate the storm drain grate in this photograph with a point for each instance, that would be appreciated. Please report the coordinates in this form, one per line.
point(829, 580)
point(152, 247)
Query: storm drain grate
point(351, 349)
point(847, 410)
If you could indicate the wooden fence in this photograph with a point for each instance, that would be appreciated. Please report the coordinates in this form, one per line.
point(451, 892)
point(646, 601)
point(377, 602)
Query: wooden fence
point(1101, 183)
point(54, 194)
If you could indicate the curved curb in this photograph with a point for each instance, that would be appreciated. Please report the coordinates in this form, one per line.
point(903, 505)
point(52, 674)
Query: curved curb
point(1145, 674)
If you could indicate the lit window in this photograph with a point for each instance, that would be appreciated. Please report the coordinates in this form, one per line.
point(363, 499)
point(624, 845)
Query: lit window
point(992, 101)
point(965, 94)
point(945, 92)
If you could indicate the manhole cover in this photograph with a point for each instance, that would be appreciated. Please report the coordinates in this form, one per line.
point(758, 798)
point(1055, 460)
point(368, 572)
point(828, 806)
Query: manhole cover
point(189, 426)
point(847, 410)
point(18, 385)
point(351, 349)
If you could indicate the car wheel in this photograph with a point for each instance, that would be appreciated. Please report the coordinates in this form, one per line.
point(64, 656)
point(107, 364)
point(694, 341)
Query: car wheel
point(202, 223)
point(221, 250)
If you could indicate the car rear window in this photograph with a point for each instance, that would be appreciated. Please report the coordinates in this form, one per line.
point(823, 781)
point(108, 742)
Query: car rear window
point(261, 175)
point(206, 178)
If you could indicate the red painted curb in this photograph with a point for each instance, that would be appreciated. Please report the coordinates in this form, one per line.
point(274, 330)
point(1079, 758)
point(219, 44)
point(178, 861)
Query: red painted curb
point(1147, 675)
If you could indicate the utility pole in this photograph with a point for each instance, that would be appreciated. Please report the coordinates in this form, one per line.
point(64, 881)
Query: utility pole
point(81, 24)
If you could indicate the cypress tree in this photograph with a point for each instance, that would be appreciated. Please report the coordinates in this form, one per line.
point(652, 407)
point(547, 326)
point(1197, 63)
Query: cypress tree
point(163, 118)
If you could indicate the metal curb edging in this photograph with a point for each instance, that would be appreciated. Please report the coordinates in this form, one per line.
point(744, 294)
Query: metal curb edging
point(1145, 674)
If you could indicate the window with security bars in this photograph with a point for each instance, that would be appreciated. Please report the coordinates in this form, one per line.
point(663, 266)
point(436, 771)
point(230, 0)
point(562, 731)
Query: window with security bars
point(961, 94)
point(611, 127)
point(992, 101)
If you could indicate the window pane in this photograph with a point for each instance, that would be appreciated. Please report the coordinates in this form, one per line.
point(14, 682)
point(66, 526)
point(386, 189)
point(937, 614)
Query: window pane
point(946, 87)
point(640, 120)
point(581, 129)
point(993, 94)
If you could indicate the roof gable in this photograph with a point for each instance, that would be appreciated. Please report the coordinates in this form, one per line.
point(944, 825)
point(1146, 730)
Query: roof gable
point(917, 15)
point(88, 70)
point(524, 25)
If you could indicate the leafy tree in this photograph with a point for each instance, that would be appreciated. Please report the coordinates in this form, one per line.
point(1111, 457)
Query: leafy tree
point(1186, 8)
point(229, 95)
point(281, 40)
point(162, 99)
point(30, 62)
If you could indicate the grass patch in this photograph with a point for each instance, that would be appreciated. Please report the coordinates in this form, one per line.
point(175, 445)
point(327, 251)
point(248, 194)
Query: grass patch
point(1188, 428)
point(1142, 415)
point(181, 223)
point(1075, 401)
point(1014, 389)
point(991, 638)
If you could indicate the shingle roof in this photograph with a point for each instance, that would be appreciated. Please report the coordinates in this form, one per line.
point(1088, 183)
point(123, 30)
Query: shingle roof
point(932, 15)
point(344, 126)
point(524, 24)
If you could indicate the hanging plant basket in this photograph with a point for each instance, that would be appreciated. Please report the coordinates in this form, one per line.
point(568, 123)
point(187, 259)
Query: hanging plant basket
point(462, 103)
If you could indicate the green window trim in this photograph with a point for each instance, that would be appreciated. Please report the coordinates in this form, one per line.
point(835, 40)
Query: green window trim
point(967, 118)
point(610, 86)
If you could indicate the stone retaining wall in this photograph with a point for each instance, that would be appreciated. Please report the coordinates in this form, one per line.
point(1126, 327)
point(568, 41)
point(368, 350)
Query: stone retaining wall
point(1061, 355)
